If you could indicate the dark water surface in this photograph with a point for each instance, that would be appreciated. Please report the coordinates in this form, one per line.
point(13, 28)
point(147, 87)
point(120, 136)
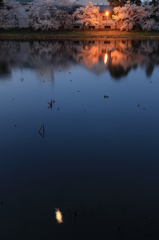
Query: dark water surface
point(99, 152)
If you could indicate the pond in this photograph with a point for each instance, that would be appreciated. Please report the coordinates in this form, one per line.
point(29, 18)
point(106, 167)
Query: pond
point(79, 140)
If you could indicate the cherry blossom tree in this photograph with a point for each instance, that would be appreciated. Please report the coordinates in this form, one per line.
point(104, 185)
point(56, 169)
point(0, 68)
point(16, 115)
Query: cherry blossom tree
point(156, 14)
point(88, 15)
point(42, 15)
point(64, 15)
point(151, 18)
point(128, 16)
point(47, 14)
point(122, 16)
point(132, 16)
point(9, 14)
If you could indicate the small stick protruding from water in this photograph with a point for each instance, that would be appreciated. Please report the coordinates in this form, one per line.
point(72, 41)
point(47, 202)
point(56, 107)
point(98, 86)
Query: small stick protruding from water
point(68, 208)
point(50, 104)
point(119, 228)
point(42, 132)
point(75, 214)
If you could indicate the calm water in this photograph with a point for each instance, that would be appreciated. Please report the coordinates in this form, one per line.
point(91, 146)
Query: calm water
point(98, 152)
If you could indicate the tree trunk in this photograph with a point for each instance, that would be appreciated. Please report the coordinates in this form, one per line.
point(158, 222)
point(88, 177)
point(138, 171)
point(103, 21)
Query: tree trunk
point(121, 23)
point(72, 23)
point(84, 27)
point(84, 45)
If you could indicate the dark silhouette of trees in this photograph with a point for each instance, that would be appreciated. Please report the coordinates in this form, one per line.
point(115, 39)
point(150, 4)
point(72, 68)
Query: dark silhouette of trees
point(1, 3)
point(120, 3)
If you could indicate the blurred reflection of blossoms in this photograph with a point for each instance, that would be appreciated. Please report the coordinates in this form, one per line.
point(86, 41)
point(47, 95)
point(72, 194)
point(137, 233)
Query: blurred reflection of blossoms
point(122, 56)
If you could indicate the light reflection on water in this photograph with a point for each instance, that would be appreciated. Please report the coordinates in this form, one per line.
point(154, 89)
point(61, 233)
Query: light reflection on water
point(99, 154)
point(58, 216)
point(49, 56)
point(105, 58)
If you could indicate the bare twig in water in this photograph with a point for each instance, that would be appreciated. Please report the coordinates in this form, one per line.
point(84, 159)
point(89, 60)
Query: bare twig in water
point(41, 130)
point(105, 96)
point(67, 208)
point(50, 104)
point(75, 214)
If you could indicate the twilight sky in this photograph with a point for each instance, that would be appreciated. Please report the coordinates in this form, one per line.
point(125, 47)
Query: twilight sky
point(94, 1)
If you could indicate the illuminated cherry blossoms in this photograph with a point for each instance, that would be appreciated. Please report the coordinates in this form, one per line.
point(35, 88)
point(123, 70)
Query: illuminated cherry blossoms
point(132, 16)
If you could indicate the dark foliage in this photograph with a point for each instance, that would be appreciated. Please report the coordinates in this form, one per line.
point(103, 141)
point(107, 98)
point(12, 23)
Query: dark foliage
point(120, 3)
point(1, 3)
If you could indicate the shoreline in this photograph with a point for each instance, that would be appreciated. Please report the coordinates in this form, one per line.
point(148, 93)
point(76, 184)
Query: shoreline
point(78, 35)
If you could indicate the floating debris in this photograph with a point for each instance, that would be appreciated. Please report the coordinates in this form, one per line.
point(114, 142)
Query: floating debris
point(15, 125)
point(58, 216)
point(53, 101)
point(13, 99)
point(21, 79)
point(118, 228)
point(41, 130)
point(70, 80)
point(69, 72)
point(59, 70)
point(43, 81)
point(67, 208)
point(138, 105)
point(75, 214)
point(150, 218)
point(42, 72)
point(50, 104)
point(78, 91)
point(143, 108)
point(84, 110)
point(105, 96)
point(58, 108)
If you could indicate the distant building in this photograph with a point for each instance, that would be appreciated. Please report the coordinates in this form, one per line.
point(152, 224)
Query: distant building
point(24, 1)
point(105, 22)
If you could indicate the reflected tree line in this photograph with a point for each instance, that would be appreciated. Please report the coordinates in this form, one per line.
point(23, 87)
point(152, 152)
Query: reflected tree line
point(117, 57)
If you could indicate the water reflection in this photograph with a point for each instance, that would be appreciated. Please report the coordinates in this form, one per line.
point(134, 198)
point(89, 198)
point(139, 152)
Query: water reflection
point(89, 142)
point(48, 56)
point(58, 216)
point(105, 58)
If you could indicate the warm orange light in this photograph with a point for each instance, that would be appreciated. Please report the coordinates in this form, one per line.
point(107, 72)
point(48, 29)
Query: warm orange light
point(58, 216)
point(106, 13)
point(105, 58)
